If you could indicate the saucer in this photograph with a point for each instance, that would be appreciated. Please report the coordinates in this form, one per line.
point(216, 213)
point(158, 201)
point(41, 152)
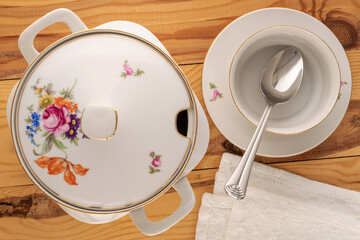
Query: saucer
point(217, 95)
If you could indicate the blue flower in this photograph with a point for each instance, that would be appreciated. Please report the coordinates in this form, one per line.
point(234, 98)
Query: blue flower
point(35, 124)
point(28, 128)
point(35, 117)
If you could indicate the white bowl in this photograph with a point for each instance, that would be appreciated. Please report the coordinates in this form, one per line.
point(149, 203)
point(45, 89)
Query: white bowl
point(319, 89)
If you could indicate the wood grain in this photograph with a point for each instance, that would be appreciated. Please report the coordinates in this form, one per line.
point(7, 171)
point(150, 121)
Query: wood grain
point(37, 217)
point(345, 141)
point(41, 219)
point(186, 28)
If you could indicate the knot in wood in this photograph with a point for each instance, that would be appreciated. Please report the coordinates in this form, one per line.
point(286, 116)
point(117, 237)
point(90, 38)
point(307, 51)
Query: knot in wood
point(344, 31)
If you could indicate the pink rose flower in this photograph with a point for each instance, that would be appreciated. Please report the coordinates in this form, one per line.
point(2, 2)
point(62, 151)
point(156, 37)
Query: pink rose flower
point(56, 120)
point(214, 98)
point(216, 93)
point(156, 162)
point(129, 71)
point(126, 65)
point(341, 83)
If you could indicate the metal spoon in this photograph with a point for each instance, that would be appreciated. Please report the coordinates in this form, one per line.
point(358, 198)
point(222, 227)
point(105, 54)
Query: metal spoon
point(280, 81)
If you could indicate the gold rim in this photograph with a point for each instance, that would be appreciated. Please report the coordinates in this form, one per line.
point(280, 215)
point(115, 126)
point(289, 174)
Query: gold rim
point(116, 122)
point(23, 160)
point(231, 64)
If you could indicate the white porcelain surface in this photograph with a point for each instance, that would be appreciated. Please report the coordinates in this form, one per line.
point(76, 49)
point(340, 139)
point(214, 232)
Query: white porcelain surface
point(203, 134)
point(317, 94)
point(96, 127)
point(223, 111)
point(147, 107)
point(201, 126)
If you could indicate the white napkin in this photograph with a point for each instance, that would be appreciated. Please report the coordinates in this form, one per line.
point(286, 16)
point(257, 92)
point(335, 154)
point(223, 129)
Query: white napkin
point(278, 205)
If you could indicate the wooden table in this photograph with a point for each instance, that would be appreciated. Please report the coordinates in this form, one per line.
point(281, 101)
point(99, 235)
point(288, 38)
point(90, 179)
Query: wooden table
point(187, 29)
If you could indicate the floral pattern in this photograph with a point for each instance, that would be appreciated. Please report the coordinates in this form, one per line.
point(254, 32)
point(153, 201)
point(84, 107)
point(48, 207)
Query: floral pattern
point(33, 125)
point(128, 71)
point(155, 163)
point(56, 165)
point(341, 85)
point(216, 93)
point(56, 117)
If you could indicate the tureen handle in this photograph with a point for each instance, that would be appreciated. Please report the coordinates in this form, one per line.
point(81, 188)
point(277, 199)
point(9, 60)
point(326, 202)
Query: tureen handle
point(26, 39)
point(187, 195)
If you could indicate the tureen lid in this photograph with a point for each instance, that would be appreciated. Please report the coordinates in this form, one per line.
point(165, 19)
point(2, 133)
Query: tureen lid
point(94, 121)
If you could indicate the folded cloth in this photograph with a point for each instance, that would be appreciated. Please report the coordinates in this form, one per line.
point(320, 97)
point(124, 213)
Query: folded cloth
point(278, 205)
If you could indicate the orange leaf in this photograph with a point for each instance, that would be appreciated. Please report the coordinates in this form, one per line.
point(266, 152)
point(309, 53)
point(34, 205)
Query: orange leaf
point(78, 169)
point(42, 161)
point(56, 165)
point(69, 177)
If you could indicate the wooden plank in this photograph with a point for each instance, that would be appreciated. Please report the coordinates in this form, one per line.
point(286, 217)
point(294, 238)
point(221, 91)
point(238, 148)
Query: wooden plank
point(26, 213)
point(186, 28)
point(341, 172)
point(345, 141)
point(36, 217)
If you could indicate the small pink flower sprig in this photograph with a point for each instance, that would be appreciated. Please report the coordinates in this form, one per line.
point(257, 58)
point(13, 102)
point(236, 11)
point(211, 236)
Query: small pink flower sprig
point(128, 71)
point(341, 85)
point(155, 163)
point(216, 93)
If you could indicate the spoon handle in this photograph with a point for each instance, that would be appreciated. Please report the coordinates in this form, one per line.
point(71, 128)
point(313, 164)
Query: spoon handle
point(237, 184)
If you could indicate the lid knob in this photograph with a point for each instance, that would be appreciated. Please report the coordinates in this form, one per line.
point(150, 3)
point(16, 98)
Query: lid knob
point(99, 121)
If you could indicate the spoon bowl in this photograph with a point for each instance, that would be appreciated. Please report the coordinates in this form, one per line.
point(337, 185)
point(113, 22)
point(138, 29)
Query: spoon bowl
point(281, 77)
point(280, 81)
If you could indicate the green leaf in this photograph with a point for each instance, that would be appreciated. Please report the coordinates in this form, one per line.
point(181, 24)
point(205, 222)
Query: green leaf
point(76, 142)
point(59, 144)
point(28, 120)
point(212, 86)
point(220, 95)
point(152, 154)
point(123, 74)
point(47, 145)
point(31, 107)
point(45, 134)
point(138, 73)
point(158, 156)
point(152, 170)
point(157, 170)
